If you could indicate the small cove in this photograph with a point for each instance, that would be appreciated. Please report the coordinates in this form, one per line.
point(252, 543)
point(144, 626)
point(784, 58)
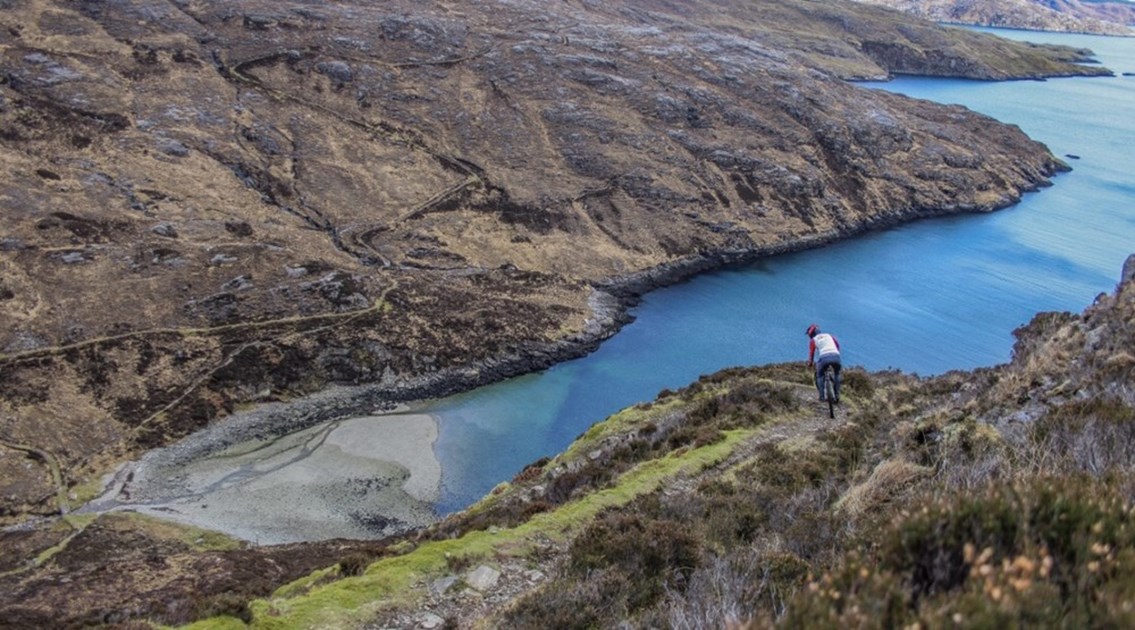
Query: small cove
point(927, 297)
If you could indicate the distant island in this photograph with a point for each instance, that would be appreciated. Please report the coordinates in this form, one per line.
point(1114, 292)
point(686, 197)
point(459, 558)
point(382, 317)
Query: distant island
point(1066, 16)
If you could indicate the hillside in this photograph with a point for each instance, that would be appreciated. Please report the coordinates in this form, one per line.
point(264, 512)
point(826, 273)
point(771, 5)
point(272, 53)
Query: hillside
point(995, 497)
point(214, 204)
point(1069, 16)
point(1000, 497)
point(211, 205)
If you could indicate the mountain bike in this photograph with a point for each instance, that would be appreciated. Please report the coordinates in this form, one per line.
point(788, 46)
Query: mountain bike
point(828, 376)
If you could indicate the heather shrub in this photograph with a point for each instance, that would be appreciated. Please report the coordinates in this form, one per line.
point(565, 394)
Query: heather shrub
point(856, 382)
point(760, 396)
point(856, 595)
point(790, 472)
point(531, 472)
point(729, 521)
point(1047, 552)
point(354, 564)
point(1094, 435)
point(928, 546)
point(844, 446)
point(727, 589)
point(563, 487)
point(694, 436)
point(620, 566)
point(806, 525)
point(226, 604)
point(651, 553)
point(535, 507)
point(571, 605)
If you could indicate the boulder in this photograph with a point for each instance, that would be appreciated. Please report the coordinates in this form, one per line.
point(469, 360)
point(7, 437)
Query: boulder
point(483, 578)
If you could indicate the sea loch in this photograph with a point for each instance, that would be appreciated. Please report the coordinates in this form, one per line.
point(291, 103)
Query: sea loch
point(928, 297)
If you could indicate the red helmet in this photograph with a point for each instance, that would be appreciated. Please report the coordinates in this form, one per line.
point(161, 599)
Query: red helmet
point(812, 330)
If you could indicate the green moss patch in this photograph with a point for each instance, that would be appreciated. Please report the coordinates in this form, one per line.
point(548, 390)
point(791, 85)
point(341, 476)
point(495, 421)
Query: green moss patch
point(396, 581)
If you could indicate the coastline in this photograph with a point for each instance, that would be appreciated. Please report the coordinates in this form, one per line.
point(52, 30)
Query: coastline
point(611, 301)
point(405, 501)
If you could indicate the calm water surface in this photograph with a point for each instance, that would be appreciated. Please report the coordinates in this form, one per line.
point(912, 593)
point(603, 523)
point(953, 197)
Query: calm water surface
point(927, 298)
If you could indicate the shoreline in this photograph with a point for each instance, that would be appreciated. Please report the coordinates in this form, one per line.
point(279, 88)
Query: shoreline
point(362, 478)
point(610, 302)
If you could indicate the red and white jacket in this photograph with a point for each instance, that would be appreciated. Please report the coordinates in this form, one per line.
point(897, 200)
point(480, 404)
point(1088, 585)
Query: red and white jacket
point(822, 345)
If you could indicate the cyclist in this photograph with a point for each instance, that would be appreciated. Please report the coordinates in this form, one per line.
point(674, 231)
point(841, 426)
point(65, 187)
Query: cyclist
point(825, 350)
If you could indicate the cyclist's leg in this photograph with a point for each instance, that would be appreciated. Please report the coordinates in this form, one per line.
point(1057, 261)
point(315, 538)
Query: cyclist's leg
point(837, 366)
point(820, 365)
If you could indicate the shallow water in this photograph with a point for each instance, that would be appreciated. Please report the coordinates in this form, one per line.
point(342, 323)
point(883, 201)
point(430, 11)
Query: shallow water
point(927, 297)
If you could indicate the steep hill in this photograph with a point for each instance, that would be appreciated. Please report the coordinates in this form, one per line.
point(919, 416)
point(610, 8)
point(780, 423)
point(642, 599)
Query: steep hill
point(993, 498)
point(1070, 16)
point(996, 497)
point(209, 204)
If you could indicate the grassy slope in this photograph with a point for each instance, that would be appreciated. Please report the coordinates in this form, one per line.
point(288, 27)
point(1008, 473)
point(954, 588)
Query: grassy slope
point(995, 497)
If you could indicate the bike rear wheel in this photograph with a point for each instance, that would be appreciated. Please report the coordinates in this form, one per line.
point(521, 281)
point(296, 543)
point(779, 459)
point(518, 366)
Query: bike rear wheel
point(829, 390)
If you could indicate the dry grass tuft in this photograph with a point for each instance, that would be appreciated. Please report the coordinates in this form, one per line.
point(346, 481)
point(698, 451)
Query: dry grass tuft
point(1122, 360)
point(888, 481)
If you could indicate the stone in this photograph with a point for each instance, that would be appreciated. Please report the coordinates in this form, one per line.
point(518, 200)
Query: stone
point(535, 576)
point(10, 244)
point(338, 70)
point(172, 147)
point(482, 578)
point(165, 229)
point(238, 283)
point(430, 621)
point(441, 586)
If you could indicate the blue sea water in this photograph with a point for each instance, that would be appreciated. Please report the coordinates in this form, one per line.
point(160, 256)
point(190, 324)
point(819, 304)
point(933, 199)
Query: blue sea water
point(927, 297)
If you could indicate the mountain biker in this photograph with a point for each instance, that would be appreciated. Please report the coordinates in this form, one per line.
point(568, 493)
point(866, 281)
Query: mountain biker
point(825, 349)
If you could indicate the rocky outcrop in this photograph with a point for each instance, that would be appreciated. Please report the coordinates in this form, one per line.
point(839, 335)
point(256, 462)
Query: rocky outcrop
point(213, 204)
point(1070, 16)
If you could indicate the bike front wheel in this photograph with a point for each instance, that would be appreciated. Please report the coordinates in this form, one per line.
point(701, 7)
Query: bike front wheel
point(829, 391)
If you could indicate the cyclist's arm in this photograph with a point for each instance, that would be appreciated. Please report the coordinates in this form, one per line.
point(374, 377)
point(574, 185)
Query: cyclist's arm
point(811, 351)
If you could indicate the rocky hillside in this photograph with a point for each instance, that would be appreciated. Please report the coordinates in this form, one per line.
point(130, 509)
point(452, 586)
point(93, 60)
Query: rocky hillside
point(998, 497)
point(209, 204)
point(213, 204)
point(1069, 16)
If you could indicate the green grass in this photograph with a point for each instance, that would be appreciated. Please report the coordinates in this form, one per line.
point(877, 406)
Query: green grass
point(390, 582)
